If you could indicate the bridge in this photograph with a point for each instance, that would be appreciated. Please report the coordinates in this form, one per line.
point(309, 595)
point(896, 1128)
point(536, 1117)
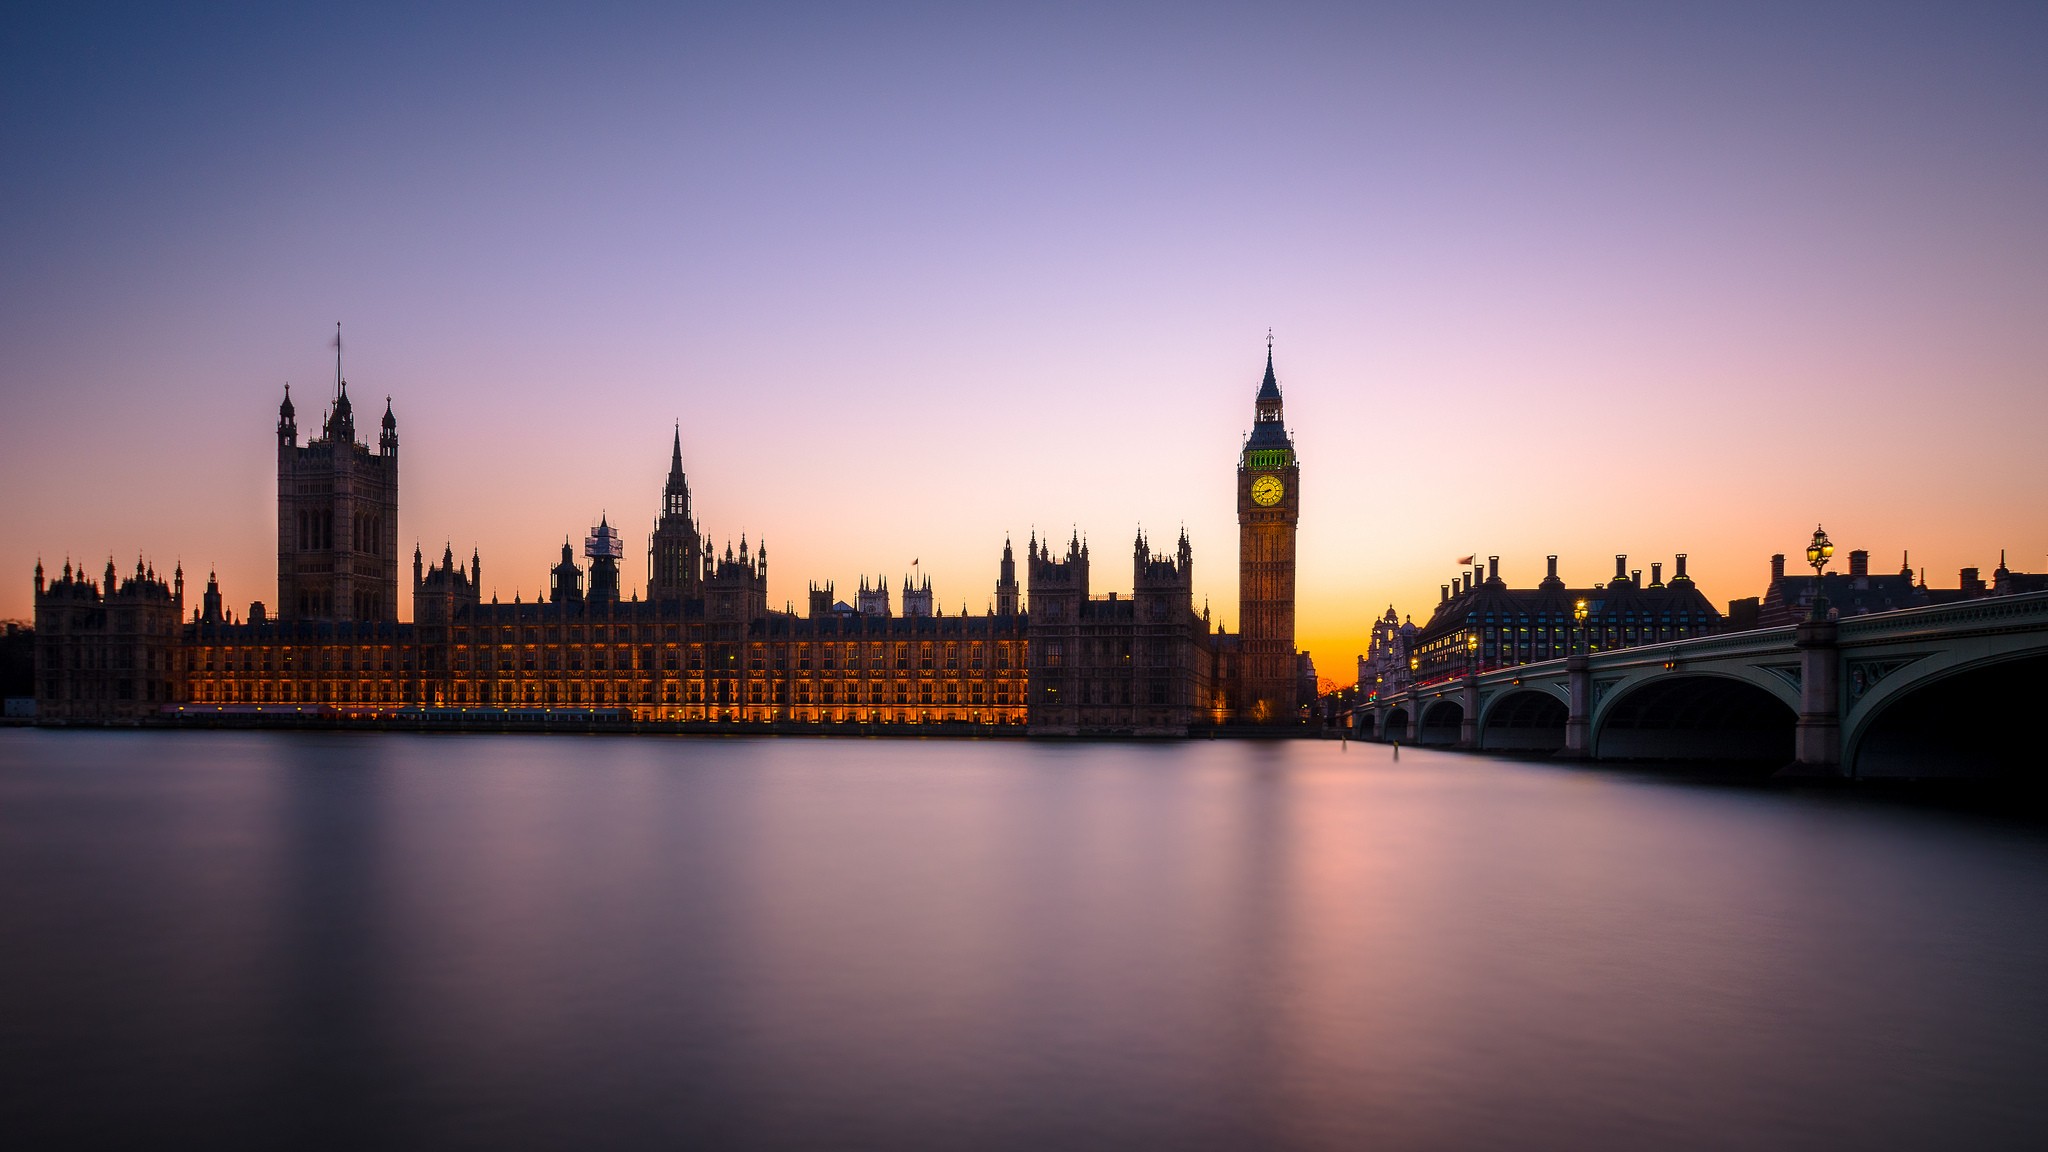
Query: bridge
point(1948, 690)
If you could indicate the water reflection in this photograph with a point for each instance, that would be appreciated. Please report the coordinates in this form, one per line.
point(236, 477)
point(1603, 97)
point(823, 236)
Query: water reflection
point(467, 941)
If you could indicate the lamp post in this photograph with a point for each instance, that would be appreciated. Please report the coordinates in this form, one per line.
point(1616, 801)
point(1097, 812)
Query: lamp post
point(1471, 652)
point(1818, 552)
point(1579, 618)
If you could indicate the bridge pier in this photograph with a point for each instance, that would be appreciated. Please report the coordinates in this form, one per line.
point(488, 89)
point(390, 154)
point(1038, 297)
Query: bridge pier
point(1578, 721)
point(1468, 724)
point(1817, 742)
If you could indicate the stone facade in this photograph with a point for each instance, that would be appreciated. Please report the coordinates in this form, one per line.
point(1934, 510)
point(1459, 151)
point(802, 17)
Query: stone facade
point(704, 647)
point(1268, 510)
point(337, 516)
point(111, 650)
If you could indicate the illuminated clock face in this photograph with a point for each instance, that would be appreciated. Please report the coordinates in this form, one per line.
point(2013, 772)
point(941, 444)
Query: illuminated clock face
point(1267, 490)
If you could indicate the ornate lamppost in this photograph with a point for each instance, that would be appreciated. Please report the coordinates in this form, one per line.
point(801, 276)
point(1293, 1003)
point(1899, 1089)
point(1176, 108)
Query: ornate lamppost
point(1579, 617)
point(1471, 653)
point(1818, 553)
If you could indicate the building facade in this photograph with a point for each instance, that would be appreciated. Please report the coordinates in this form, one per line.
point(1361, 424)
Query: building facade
point(1481, 624)
point(337, 515)
point(1051, 657)
point(109, 650)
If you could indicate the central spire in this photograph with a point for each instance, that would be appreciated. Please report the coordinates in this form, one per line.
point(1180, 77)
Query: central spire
point(1269, 388)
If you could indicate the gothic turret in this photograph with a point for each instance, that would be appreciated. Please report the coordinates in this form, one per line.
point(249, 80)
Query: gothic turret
point(675, 552)
point(565, 580)
point(605, 550)
point(1006, 583)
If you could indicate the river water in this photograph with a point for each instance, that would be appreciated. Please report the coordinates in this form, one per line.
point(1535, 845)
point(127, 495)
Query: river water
point(251, 939)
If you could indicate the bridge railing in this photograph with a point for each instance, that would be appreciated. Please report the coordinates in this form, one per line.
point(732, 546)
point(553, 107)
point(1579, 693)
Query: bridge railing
point(1990, 613)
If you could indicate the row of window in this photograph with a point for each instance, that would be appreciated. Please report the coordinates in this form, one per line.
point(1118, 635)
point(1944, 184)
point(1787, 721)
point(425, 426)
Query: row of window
point(972, 694)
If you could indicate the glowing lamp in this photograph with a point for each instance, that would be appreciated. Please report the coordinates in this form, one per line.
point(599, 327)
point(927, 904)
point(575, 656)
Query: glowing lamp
point(1818, 551)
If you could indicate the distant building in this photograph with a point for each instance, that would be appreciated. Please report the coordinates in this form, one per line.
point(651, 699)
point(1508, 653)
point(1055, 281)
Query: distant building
point(703, 647)
point(337, 515)
point(1385, 663)
point(1788, 598)
point(1482, 623)
point(110, 650)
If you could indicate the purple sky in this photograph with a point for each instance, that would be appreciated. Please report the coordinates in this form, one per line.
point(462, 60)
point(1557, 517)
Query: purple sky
point(1574, 279)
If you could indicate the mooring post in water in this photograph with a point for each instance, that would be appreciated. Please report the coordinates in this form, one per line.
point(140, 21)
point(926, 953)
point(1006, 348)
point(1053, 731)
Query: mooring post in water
point(1397, 749)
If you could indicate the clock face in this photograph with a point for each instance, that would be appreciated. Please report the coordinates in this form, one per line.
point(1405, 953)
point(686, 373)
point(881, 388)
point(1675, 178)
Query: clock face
point(1267, 490)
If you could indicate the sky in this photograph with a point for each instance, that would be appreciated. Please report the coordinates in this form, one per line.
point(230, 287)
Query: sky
point(1573, 279)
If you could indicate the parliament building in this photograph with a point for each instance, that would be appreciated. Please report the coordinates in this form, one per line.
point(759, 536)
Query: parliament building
point(702, 650)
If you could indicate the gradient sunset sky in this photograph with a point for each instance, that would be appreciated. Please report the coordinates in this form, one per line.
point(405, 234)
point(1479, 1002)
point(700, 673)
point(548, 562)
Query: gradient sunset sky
point(1582, 279)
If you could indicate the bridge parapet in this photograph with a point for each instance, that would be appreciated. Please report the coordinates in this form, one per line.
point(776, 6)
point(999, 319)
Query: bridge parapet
point(1970, 617)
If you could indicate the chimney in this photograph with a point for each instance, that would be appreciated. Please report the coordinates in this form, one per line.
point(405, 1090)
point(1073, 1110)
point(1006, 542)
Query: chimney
point(1680, 574)
point(1493, 569)
point(1446, 590)
point(1859, 563)
point(1656, 574)
point(1468, 581)
point(1553, 568)
point(1621, 566)
point(1778, 567)
point(1635, 577)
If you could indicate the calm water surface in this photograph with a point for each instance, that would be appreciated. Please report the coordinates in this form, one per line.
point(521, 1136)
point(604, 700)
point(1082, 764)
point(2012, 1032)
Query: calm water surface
point(391, 941)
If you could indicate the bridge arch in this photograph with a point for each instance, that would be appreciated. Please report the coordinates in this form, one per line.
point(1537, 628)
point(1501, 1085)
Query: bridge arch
point(1523, 719)
point(1442, 720)
point(1694, 716)
point(1955, 717)
point(1394, 724)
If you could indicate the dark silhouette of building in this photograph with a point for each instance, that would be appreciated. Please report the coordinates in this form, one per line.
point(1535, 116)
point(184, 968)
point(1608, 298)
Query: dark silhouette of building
point(1481, 623)
point(337, 515)
point(1788, 598)
point(108, 651)
point(703, 647)
point(1137, 666)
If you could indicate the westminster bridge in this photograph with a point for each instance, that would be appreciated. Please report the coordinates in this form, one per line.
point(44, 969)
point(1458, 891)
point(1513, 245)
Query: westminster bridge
point(1952, 689)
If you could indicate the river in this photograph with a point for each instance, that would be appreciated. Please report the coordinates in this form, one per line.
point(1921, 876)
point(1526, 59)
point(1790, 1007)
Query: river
point(378, 941)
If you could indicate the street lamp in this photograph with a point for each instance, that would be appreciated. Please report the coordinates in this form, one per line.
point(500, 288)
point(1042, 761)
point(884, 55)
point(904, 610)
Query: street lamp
point(1471, 652)
point(1579, 616)
point(1818, 552)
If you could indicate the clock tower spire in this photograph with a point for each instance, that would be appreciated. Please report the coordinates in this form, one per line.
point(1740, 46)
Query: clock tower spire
point(1268, 508)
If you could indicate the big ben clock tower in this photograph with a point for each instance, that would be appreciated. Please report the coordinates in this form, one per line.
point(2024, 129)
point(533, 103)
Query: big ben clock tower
point(1268, 508)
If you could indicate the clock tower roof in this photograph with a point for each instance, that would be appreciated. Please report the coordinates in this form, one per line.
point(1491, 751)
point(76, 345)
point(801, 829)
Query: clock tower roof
point(1269, 429)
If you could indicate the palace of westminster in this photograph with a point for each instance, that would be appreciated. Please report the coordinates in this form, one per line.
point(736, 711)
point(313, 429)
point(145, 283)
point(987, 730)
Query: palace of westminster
point(703, 648)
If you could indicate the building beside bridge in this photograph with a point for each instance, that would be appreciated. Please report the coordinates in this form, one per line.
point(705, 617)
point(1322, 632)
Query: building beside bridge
point(1858, 592)
point(1481, 623)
